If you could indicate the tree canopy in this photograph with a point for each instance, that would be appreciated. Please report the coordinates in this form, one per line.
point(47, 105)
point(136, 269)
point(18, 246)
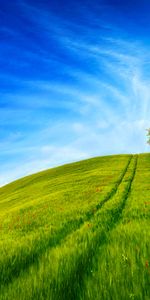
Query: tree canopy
point(148, 134)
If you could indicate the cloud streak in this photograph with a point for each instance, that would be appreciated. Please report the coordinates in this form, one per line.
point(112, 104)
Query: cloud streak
point(71, 87)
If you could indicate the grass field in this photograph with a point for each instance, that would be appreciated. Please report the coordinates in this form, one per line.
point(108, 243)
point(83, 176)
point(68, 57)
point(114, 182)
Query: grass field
point(80, 231)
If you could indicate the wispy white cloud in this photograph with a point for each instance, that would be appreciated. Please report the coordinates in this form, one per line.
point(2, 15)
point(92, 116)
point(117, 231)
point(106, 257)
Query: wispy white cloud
point(100, 105)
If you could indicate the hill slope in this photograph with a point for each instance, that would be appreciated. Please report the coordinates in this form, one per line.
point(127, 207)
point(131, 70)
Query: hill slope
point(80, 231)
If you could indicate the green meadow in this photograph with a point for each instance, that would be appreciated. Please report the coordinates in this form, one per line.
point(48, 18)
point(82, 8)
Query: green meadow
point(78, 232)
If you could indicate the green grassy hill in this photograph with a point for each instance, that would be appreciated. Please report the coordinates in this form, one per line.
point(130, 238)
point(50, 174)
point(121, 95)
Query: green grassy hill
point(80, 231)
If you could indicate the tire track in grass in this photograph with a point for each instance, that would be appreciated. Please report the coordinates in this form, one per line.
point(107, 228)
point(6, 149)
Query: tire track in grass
point(17, 266)
point(114, 190)
point(67, 282)
point(109, 292)
point(72, 286)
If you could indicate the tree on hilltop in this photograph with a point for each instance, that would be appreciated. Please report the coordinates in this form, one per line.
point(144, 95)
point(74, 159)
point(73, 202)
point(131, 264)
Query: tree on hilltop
point(148, 135)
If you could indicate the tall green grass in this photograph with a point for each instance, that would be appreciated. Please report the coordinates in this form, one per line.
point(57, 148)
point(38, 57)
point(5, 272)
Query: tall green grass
point(56, 244)
point(122, 269)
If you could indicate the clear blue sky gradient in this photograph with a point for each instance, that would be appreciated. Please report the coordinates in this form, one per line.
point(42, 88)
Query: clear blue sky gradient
point(74, 81)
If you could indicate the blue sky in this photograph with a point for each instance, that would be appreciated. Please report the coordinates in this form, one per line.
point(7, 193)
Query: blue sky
point(74, 81)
